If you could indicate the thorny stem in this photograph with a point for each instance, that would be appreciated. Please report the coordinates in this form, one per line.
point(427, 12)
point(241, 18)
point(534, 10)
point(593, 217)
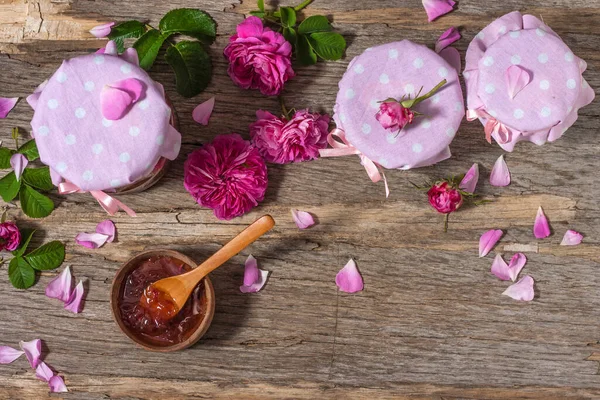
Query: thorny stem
point(302, 5)
point(286, 112)
point(446, 222)
point(417, 100)
point(15, 135)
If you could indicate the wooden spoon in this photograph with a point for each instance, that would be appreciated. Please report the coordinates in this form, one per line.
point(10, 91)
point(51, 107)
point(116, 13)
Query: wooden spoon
point(164, 298)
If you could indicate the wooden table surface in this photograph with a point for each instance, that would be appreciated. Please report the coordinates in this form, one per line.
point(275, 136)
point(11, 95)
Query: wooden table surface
point(431, 322)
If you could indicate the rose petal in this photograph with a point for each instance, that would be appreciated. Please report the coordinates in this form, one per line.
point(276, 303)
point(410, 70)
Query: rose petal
point(33, 98)
point(18, 162)
point(437, 8)
point(447, 38)
point(522, 290)
point(571, 238)
point(44, 372)
point(251, 274)
point(488, 240)
point(76, 298)
point(203, 111)
point(57, 385)
point(107, 227)
point(348, 279)
point(516, 264)
point(110, 49)
point(517, 78)
point(60, 287)
point(302, 219)
point(500, 175)
point(116, 98)
point(500, 268)
point(8, 354)
point(469, 182)
point(131, 56)
point(91, 240)
point(33, 351)
point(103, 30)
point(7, 104)
point(541, 228)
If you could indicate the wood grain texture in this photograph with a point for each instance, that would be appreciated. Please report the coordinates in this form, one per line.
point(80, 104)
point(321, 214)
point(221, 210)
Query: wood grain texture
point(431, 322)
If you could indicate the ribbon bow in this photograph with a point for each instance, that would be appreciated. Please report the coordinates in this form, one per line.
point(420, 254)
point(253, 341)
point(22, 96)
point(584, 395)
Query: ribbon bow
point(108, 203)
point(344, 148)
point(503, 133)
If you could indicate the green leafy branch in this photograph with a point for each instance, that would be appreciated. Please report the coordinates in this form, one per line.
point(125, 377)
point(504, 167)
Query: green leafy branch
point(32, 182)
point(188, 59)
point(311, 38)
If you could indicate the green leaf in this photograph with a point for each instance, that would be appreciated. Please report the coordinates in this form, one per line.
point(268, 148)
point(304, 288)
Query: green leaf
point(49, 256)
point(258, 14)
point(35, 204)
point(148, 46)
point(261, 5)
point(26, 235)
point(124, 30)
point(39, 178)
point(290, 35)
point(288, 17)
point(5, 155)
point(9, 187)
point(315, 23)
point(191, 22)
point(328, 45)
point(29, 150)
point(20, 273)
point(304, 52)
point(192, 67)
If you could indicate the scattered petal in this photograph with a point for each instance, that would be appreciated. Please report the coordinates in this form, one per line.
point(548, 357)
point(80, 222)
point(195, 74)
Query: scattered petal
point(33, 351)
point(349, 279)
point(101, 31)
point(500, 268)
point(488, 240)
point(437, 8)
point(302, 219)
point(44, 372)
point(33, 98)
point(110, 49)
point(571, 238)
point(57, 385)
point(251, 273)
point(60, 287)
point(131, 56)
point(74, 302)
point(517, 78)
point(116, 98)
point(107, 227)
point(203, 111)
point(91, 240)
point(18, 162)
point(8, 354)
point(522, 290)
point(516, 264)
point(447, 38)
point(541, 227)
point(500, 175)
point(469, 182)
point(7, 104)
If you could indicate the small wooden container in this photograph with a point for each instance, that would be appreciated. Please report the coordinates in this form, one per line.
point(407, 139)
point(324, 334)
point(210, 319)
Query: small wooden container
point(117, 287)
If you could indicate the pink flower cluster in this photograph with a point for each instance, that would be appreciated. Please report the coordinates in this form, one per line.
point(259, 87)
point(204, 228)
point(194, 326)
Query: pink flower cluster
point(10, 237)
point(393, 116)
point(444, 198)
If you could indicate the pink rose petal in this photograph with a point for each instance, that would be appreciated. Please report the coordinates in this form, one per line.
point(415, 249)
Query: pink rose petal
point(33, 351)
point(103, 30)
point(18, 162)
point(91, 240)
point(500, 268)
point(516, 264)
point(60, 287)
point(116, 98)
point(7, 104)
point(541, 228)
point(57, 385)
point(488, 240)
point(447, 38)
point(349, 279)
point(131, 56)
point(251, 273)
point(522, 290)
point(571, 238)
point(107, 227)
point(517, 78)
point(203, 111)
point(302, 219)
point(8, 354)
point(437, 8)
point(500, 175)
point(76, 298)
point(469, 182)
point(110, 49)
point(44, 372)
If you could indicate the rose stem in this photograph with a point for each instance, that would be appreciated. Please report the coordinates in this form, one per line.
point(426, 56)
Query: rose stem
point(302, 5)
point(446, 222)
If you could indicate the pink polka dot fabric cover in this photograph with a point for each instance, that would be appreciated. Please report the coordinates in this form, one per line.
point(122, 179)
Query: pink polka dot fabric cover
point(80, 145)
point(394, 70)
point(545, 108)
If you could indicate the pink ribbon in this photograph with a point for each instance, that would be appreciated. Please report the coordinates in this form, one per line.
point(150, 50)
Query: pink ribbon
point(504, 133)
point(108, 203)
point(344, 148)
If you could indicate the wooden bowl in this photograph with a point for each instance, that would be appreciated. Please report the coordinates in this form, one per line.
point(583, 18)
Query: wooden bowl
point(117, 287)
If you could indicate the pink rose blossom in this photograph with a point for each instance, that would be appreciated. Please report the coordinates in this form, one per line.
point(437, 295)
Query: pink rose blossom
point(393, 116)
point(444, 198)
point(299, 139)
point(259, 58)
point(10, 237)
point(227, 175)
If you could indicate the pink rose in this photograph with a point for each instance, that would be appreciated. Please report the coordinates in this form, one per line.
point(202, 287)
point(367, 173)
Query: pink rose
point(393, 116)
point(444, 198)
point(10, 237)
point(299, 139)
point(259, 58)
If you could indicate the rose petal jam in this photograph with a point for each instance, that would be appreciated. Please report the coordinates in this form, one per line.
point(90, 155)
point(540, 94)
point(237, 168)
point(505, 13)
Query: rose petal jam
point(144, 321)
